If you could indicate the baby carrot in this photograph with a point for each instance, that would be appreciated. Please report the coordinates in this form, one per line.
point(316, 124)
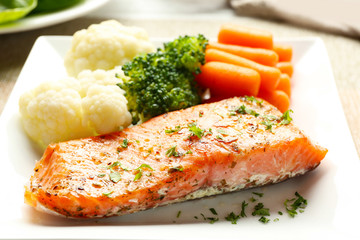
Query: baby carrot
point(228, 80)
point(269, 75)
point(250, 37)
point(284, 51)
point(277, 98)
point(284, 84)
point(259, 55)
point(285, 67)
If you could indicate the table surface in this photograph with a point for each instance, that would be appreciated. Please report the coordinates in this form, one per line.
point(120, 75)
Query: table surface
point(170, 18)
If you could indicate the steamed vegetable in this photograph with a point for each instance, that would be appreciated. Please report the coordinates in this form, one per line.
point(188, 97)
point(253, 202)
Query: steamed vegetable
point(283, 51)
point(245, 36)
point(73, 108)
point(269, 75)
point(284, 84)
point(285, 67)
point(163, 81)
point(260, 55)
point(228, 80)
point(105, 46)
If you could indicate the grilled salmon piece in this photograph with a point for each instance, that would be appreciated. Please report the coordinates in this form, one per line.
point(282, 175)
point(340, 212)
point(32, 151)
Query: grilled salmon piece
point(204, 150)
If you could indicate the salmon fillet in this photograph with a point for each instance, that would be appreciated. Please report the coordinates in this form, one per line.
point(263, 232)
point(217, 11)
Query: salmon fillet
point(204, 150)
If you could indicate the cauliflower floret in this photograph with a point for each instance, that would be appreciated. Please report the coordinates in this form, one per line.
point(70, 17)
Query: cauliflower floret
point(52, 112)
point(71, 108)
point(108, 101)
point(88, 78)
point(104, 46)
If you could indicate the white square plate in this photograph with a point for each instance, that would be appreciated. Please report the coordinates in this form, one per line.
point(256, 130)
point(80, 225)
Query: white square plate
point(332, 190)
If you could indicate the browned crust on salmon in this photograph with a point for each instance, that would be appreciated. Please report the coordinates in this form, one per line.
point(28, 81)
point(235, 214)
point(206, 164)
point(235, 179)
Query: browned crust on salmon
point(166, 162)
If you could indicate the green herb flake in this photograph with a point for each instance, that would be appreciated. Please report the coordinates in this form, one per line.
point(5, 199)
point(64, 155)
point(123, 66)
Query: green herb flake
point(222, 131)
point(212, 219)
point(243, 206)
point(253, 99)
point(201, 113)
point(276, 219)
point(174, 130)
point(140, 171)
point(252, 199)
point(171, 152)
point(188, 152)
point(259, 210)
point(219, 137)
point(213, 211)
point(178, 214)
point(195, 130)
point(108, 194)
point(258, 194)
point(244, 110)
point(101, 175)
point(138, 176)
point(280, 213)
point(269, 125)
point(115, 176)
point(114, 164)
point(292, 205)
point(176, 169)
point(264, 219)
point(232, 217)
point(125, 143)
point(286, 118)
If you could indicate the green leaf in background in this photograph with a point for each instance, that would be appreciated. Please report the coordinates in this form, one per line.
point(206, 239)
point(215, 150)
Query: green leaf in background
point(11, 10)
point(54, 5)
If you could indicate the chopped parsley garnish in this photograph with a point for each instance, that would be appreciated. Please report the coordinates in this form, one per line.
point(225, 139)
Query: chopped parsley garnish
point(201, 113)
point(232, 217)
point(244, 110)
point(280, 213)
point(140, 170)
point(213, 211)
point(195, 130)
point(219, 137)
point(291, 205)
point(108, 193)
point(258, 194)
point(176, 169)
point(252, 199)
point(125, 143)
point(212, 219)
point(171, 152)
point(260, 210)
point(174, 130)
point(253, 99)
point(286, 118)
point(243, 206)
point(188, 152)
point(268, 125)
point(178, 214)
point(222, 131)
point(115, 176)
point(101, 175)
point(264, 219)
point(114, 164)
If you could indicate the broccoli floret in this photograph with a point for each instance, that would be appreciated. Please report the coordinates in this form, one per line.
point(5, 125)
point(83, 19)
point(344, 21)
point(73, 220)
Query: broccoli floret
point(163, 81)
